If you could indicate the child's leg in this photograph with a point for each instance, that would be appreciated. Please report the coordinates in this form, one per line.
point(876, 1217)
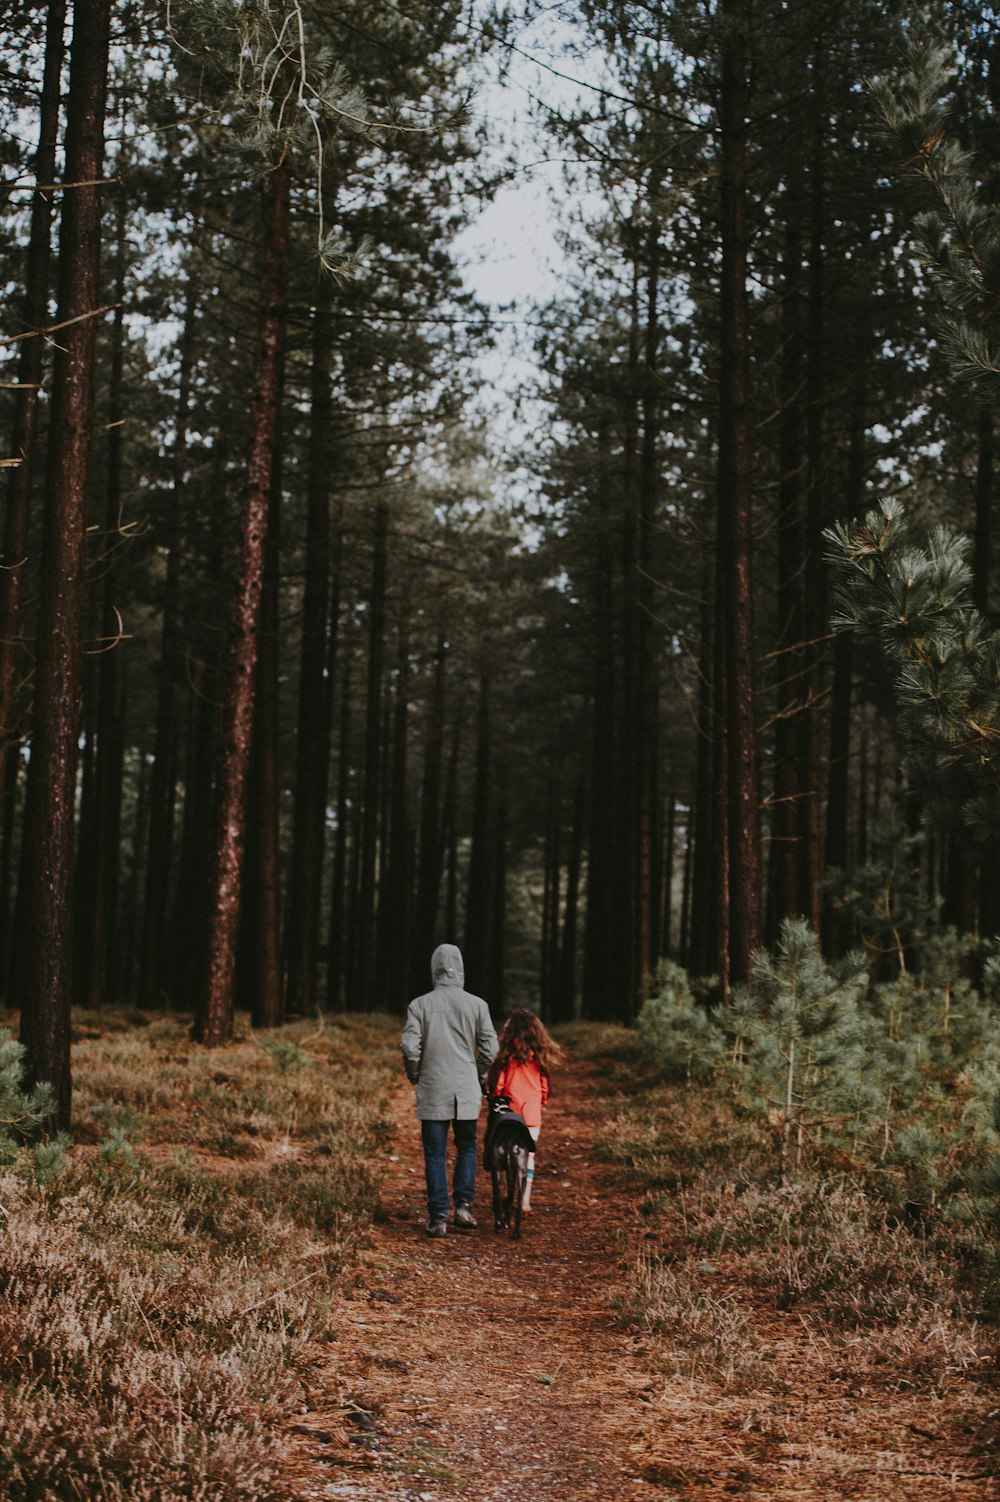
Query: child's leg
point(526, 1199)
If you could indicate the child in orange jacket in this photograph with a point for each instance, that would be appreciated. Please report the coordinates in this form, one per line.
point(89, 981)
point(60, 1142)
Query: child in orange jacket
point(522, 1071)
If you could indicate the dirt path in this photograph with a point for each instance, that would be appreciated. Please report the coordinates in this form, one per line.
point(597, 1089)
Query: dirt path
point(477, 1366)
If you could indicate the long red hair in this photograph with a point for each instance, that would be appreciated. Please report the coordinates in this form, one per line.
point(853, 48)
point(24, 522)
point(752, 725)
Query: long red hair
point(522, 1037)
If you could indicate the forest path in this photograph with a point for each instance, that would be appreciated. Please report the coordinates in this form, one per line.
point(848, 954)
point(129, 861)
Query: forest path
point(480, 1367)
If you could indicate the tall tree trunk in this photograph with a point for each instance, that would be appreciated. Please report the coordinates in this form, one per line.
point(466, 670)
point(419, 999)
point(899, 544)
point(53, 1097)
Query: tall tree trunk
point(100, 861)
point(215, 1016)
point(449, 833)
point(46, 885)
point(364, 968)
point(260, 905)
point(666, 924)
point(163, 777)
point(185, 956)
point(785, 895)
point(647, 757)
point(551, 882)
point(565, 1008)
point(336, 948)
point(478, 906)
point(735, 533)
point(982, 552)
point(700, 950)
point(836, 923)
point(430, 860)
point(497, 957)
point(626, 833)
point(395, 909)
point(982, 560)
point(815, 613)
point(30, 368)
point(316, 668)
point(10, 799)
point(601, 982)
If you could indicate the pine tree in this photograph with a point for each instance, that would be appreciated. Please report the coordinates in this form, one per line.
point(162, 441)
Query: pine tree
point(915, 603)
point(805, 1040)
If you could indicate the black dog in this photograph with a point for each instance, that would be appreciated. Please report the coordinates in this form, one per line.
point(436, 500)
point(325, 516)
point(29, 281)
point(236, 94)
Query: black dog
point(505, 1152)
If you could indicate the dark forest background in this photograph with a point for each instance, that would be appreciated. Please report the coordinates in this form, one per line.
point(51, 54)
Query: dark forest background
point(300, 673)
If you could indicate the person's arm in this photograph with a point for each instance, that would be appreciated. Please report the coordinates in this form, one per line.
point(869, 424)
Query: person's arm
point(494, 1077)
point(413, 1043)
point(487, 1046)
point(546, 1087)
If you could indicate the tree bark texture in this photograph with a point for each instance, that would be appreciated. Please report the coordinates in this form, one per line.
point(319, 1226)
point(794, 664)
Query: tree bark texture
point(99, 873)
point(46, 886)
point(363, 967)
point(735, 535)
point(478, 906)
point(430, 860)
point(316, 669)
point(30, 368)
point(163, 781)
point(260, 904)
point(215, 1018)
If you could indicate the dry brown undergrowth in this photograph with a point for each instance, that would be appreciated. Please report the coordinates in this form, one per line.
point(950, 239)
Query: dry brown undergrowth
point(202, 1306)
point(629, 1349)
point(163, 1294)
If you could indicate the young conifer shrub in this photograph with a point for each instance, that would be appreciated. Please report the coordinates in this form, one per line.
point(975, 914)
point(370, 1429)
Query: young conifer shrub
point(22, 1112)
point(674, 1031)
point(808, 1047)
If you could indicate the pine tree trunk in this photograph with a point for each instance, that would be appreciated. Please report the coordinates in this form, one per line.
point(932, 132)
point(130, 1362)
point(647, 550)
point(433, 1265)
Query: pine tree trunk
point(215, 1017)
point(30, 368)
point(666, 927)
point(363, 968)
point(12, 772)
point(815, 612)
point(319, 626)
point(184, 975)
point(478, 906)
point(497, 956)
point(565, 1008)
point(550, 903)
point(785, 895)
point(431, 851)
point(735, 538)
point(449, 834)
point(647, 758)
point(601, 984)
point(988, 915)
point(700, 949)
point(336, 949)
point(626, 831)
point(837, 937)
point(163, 779)
point(260, 905)
point(982, 551)
point(46, 887)
point(96, 983)
point(395, 912)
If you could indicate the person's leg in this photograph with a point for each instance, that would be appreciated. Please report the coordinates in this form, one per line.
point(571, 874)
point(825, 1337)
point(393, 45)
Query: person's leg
point(464, 1182)
point(526, 1198)
point(435, 1140)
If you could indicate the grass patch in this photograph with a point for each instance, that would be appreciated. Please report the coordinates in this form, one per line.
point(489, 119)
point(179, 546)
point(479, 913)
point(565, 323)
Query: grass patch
point(162, 1297)
point(895, 1291)
point(699, 1335)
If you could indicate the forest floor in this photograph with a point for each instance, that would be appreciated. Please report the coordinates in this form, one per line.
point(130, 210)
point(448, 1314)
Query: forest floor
point(479, 1366)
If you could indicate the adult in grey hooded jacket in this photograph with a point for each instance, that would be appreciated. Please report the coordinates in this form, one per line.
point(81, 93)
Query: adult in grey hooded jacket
point(448, 1044)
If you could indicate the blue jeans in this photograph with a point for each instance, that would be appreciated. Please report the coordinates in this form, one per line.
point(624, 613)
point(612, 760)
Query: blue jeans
point(435, 1139)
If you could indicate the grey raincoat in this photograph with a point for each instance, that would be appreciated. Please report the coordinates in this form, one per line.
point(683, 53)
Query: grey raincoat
point(448, 1043)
